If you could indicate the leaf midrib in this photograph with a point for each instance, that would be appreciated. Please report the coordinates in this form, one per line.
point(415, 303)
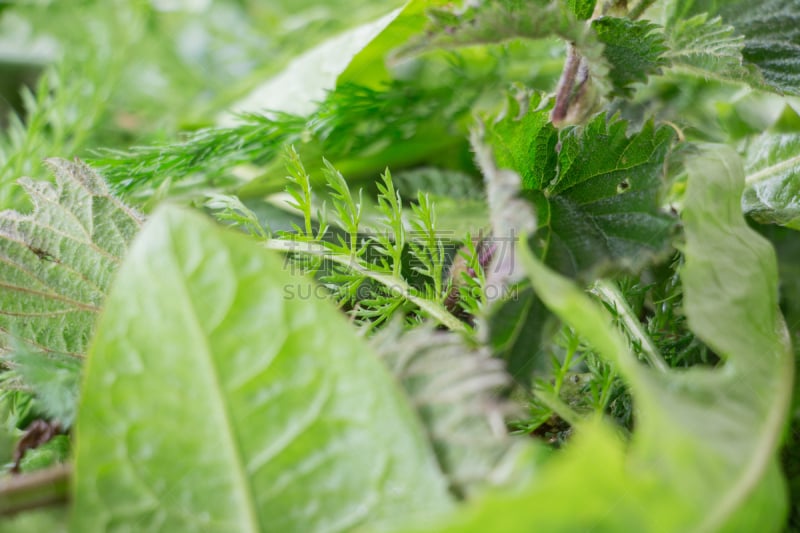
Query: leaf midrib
point(242, 484)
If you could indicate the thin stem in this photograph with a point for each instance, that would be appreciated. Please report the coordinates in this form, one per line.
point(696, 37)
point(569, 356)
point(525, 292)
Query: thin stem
point(639, 9)
point(32, 491)
point(609, 292)
point(396, 285)
point(555, 404)
point(565, 85)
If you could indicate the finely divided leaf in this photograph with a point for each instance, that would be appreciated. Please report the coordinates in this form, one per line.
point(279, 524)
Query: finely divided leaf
point(221, 395)
point(634, 50)
point(56, 262)
point(773, 180)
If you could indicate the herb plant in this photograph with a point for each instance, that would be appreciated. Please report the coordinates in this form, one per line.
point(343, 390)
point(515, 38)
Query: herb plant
point(491, 266)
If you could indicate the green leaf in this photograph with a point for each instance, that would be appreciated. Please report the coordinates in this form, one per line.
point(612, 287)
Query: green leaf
point(771, 31)
point(709, 46)
point(634, 50)
point(56, 262)
point(702, 455)
point(598, 196)
point(454, 388)
point(772, 37)
point(773, 180)
point(307, 79)
point(368, 67)
point(583, 9)
point(218, 397)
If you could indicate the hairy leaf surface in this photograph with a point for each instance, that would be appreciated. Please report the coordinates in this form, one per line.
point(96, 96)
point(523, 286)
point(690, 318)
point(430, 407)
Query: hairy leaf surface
point(57, 261)
point(634, 50)
point(214, 400)
point(455, 388)
point(773, 180)
point(702, 454)
point(596, 189)
point(772, 39)
point(771, 31)
point(709, 46)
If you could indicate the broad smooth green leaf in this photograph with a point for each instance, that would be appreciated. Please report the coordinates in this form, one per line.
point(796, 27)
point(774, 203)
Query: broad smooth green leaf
point(634, 50)
point(306, 79)
point(368, 67)
point(57, 261)
point(596, 190)
point(702, 455)
point(773, 180)
point(221, 395)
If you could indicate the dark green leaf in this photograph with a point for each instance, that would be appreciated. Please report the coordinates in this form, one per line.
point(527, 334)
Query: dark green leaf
point(772, 39)
point(218, 397)
point(771, 30)
point(596, 189)
point(633, 49)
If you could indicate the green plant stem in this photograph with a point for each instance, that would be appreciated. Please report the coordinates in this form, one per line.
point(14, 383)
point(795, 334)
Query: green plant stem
point(639, 9)
point(397, 285)
point(31, 491)
point(551, 400)
point(609, 293)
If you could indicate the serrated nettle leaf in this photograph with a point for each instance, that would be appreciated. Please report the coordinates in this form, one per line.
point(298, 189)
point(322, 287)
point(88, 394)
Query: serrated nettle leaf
point(596, 189)
point(634, 50)
point(212, 401)
point(772, 194)
point(771, 31)
point(702, 454)
point(582, 9)
point(56, 262)
point(455, 388)
point(498, 21)
point(772, 37)
point(709, 46)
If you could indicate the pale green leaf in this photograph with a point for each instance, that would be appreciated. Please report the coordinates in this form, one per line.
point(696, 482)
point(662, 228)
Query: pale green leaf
point(455, 388)
point(368, 67)
point(709, 46)
point(773, 179)
point(56, 262)
point(702, 455)
point(307, 79)
point(218, 398)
